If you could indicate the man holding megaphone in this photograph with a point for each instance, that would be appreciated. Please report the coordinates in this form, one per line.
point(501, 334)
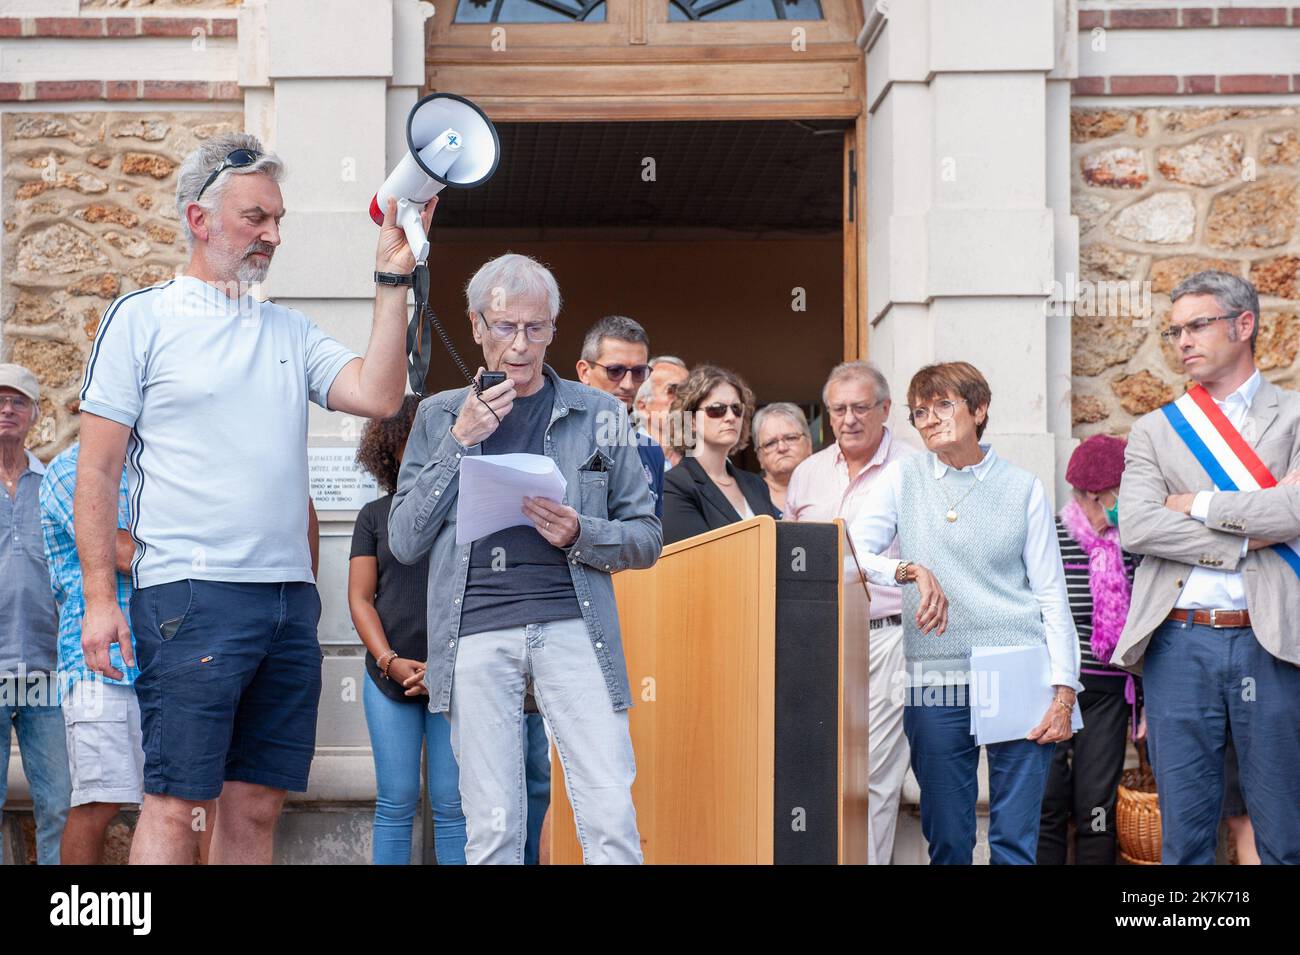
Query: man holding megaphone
point(206, 389)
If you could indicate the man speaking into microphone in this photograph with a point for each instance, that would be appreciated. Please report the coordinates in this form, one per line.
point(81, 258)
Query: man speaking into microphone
point(204, 390)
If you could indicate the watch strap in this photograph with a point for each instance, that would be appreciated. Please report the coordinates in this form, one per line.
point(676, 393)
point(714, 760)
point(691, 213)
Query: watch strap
point(394, 278)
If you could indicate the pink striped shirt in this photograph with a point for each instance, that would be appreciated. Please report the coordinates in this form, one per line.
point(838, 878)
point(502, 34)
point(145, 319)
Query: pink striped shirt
point(820, 490)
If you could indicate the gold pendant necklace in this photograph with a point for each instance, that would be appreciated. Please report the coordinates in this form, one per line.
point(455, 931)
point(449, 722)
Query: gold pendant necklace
point(952, 507)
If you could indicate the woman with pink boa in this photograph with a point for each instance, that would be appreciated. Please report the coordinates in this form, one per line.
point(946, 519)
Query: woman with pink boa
point(1086, 770)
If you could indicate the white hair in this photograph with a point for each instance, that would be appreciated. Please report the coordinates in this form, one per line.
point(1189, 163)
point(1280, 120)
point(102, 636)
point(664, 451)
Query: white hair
point(782, 409)
point(509, 277)
point(668, 360)
point(199, 164)
point(860, 370)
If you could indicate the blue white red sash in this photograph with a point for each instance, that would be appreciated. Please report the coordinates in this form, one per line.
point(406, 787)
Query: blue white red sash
point(1231, 463)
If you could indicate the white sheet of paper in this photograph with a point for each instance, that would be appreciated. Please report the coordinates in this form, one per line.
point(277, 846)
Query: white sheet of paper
point(1010, 692)
point(493, 488)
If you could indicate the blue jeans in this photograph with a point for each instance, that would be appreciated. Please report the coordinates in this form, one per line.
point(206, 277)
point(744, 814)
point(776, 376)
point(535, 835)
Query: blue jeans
point(945, 759)
point(397, 732)
point(1200, 685)
point(591, 738)
point(43, 743)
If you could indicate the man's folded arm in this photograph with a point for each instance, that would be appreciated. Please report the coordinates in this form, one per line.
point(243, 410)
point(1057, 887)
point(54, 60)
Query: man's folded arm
point(1147, 526)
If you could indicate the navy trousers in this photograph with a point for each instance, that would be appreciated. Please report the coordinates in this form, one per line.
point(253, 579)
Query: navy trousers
point(945, 759)
point(1201, 685)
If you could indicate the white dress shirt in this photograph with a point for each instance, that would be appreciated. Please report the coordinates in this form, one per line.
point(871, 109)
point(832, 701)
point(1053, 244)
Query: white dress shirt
point(876, 526)
point(1221, 589)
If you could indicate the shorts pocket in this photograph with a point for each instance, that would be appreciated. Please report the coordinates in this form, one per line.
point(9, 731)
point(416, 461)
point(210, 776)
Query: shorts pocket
point(99, 751)
point(173, 604)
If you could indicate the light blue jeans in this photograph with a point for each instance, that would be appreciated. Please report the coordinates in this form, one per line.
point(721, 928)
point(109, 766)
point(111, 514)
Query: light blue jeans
point(591, 739)
point(398, 731)
point(43, 743)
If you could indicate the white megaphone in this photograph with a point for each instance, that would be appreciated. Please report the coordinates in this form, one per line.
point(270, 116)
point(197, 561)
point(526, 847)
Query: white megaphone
point(450, 142)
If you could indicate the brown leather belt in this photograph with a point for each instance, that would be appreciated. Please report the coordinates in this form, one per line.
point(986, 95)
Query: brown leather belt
point(1219, 619)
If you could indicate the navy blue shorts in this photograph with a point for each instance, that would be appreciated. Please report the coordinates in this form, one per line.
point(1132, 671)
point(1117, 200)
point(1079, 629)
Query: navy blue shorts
point(229, 685)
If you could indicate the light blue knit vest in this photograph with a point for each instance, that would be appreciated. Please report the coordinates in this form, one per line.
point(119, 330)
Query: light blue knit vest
point(978, 560)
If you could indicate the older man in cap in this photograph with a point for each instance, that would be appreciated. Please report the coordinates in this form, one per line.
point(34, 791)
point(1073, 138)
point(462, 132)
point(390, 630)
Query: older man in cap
point(29, 626)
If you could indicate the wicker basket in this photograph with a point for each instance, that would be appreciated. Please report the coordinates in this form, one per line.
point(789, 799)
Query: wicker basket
point(1137, 814)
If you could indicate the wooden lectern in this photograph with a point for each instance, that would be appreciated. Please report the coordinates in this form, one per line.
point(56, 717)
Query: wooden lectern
point(747, 658)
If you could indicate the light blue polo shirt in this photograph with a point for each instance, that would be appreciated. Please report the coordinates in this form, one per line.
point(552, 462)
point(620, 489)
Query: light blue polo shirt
point(215, 392)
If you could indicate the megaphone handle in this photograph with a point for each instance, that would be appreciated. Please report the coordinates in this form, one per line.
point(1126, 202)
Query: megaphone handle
point(408, 217)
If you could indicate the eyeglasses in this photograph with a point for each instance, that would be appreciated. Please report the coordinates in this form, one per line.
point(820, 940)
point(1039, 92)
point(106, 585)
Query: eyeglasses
point(616, 372)
point(943, 410)
point(235, 159)
point(781, 439)
point(535, 332)
point(719, 410)
point(860, 408)
point(17, 402)
point(1197, 325)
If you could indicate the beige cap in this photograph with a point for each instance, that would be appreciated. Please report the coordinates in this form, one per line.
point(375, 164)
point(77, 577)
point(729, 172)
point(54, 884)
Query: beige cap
point(19, 378)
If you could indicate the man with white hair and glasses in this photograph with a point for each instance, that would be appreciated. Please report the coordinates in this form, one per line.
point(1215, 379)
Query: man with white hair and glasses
point(536, 601)
point(205, 389)
point(834, 483)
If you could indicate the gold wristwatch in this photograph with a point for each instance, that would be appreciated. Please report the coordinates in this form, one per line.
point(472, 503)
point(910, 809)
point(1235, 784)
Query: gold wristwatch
point(900, 572)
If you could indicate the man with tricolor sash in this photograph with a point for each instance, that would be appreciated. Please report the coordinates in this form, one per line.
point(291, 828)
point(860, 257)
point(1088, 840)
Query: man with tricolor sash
point(1211, 497)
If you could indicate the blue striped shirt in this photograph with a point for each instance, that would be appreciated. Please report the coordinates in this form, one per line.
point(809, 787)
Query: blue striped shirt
point(57, 491)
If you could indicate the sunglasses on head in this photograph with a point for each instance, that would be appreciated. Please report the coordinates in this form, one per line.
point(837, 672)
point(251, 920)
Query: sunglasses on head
point(235, 159)
point(719, 410)
point(616, 372)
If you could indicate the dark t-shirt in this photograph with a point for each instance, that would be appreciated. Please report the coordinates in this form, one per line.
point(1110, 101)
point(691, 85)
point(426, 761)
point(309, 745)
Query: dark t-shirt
point(516, 576)
point(400, 595)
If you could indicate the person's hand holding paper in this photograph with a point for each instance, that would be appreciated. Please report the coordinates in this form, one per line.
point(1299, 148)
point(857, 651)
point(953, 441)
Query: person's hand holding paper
point(512, 490)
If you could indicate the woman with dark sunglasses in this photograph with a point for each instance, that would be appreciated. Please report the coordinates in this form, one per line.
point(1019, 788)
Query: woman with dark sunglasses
point(711, 414)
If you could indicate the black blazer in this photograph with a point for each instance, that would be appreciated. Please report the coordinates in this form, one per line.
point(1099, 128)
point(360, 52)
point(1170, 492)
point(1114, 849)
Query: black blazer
point(693, 504)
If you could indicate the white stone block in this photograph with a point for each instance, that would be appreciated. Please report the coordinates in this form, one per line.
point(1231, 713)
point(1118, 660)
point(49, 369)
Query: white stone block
point(398, 101)
point(409, 18)
point(1005, 338)
point(993, 35)
point(259, 114)
point(1036, 453)
point(989, 142)
point(333, 38)
point(333, 134)
point(39, 8)
point(32, 59)
point(1188, 51)
point(341, 719)
point(254, 45)
point(989, 252)
point(909, 258)
point(325, 255)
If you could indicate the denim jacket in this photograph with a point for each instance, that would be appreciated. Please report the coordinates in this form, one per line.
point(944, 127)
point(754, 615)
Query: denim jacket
point(593, 446)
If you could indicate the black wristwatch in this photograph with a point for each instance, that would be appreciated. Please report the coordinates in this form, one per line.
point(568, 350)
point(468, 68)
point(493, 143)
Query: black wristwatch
point(393, 278)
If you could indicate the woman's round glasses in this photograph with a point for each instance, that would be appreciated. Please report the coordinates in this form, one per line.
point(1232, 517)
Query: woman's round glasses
point(943, 410)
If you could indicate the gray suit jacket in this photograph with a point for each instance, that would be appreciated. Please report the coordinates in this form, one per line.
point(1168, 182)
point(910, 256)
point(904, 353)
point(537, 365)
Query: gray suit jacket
point(1157, 464)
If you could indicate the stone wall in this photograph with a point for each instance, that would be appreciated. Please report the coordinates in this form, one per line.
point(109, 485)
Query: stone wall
point(89, 213)
point(1160, 194)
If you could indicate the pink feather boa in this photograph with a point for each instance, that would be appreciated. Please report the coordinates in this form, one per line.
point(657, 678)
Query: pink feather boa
point(1106, 579)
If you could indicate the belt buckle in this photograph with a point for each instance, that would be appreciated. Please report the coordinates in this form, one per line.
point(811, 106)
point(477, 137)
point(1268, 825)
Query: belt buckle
point(1214, 619)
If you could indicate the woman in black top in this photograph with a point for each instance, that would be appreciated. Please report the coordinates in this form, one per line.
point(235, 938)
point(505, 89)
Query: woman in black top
point(714, 409)
point(387, 600)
